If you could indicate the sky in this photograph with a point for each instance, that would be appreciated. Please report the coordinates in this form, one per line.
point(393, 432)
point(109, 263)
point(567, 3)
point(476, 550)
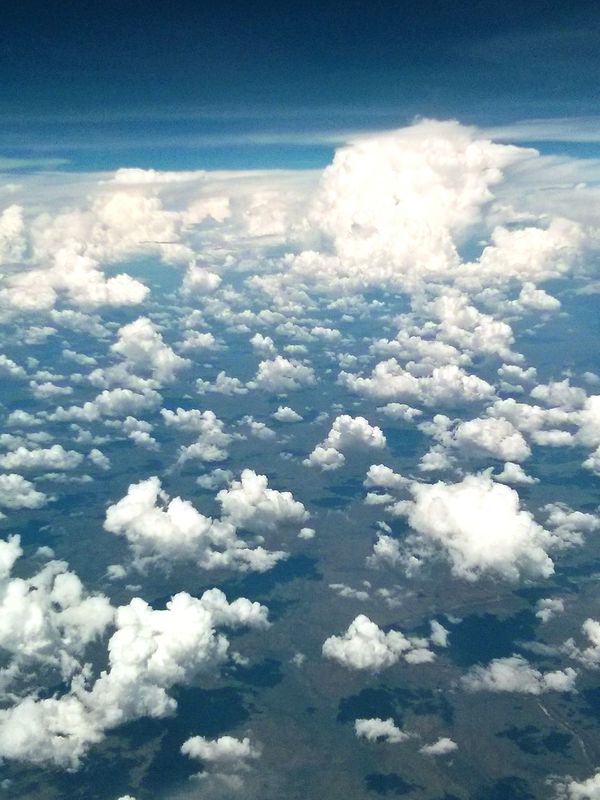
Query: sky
point(272, 84)
point(299, 401)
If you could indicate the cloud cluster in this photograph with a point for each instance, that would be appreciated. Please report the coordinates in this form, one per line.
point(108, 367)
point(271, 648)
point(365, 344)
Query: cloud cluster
point(150, 651)
point(163, 529)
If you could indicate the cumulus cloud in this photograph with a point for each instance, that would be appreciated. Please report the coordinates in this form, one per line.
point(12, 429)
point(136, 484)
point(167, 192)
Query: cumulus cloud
point(493, 437)
point(394, 205)
point(479, 527)
point(49, 458)
point(150, 651)
point(588, 789)
point(224, 760)
point(514, 473)
point(346, 433)
point(109, 403)
point(142, 346)
point(446, 385)
point(365, 646)
point(515, 674)
point(379, 730)
point(250, 504)
point(588, 656)
point(280, 375)
point(212, 441)
point(48, 618)
point(158, 527)
point(548, 607)
point(441, 747)
point(286, 414)
point(17, 492)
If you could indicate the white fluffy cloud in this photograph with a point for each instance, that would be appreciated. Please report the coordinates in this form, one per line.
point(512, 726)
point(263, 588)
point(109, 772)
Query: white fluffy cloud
point(50, 458)
point(158, 527)
point(287, 414)
point(446, 385)
point(441, 747)
point(224, 760)
point(281, 375)
point(493, 437)
point(142, 346)
point(48, 618)
point(515, 674)
point(346, 433)
point(394, 205)
point(150, 651)
point(379, 730)
point(250, 504)
point(365, 646)
point(17, 492)
point(109, 403)
point(212, 441)
point(479, 527)
point(588, 789)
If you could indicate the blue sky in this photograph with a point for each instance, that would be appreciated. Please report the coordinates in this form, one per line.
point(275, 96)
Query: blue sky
point(277, 84)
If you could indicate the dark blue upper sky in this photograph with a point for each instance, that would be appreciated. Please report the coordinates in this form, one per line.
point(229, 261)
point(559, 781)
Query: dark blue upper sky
point(180, 83)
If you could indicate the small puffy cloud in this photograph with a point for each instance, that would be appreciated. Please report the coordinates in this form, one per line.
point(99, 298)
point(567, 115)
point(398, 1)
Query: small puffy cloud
point(346, 433)
point(384, 477)
point(533, 299)
point(223, 384)
point(98, 458)
point(109, 403)
point(515, 674)
point(224, 761)
point(588, 656)
point(280, 375)
point(400, 411)
point(224, 750)
point(514, 473)
point(548, 607)
point(250, 504)
point(441, 747)
point(198, 281)
point(287, 414)
point(560, 394)
point(215, 479)
point(263, 345)
point(17, 492)
point(379, 730)
point(212, 441)
point(142, 346)
point(11, 368)
point(326, 458)
point(54, 458)
point(365, 646)
point(194, 340)
point(492, 437)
